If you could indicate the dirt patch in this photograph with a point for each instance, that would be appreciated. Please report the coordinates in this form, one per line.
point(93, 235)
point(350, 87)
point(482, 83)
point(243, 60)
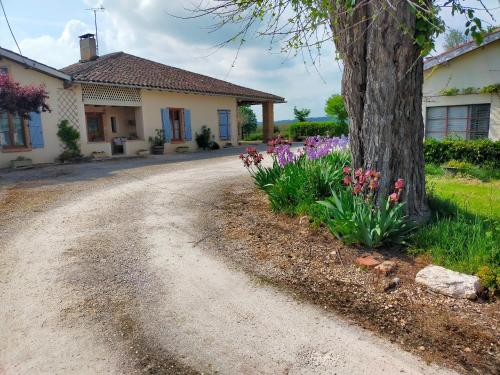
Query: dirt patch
point(290, 253)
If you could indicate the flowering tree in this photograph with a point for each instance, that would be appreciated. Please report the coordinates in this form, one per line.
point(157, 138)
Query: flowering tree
point(22, 100)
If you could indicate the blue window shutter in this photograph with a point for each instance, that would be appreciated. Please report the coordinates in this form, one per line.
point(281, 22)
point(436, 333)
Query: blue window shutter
point(223, 128)
point(166, 125)
point(228, 116)
point(188, 136)
point(35, 128)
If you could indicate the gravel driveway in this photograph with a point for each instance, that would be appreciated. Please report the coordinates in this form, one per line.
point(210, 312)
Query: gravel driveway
point(102, 271)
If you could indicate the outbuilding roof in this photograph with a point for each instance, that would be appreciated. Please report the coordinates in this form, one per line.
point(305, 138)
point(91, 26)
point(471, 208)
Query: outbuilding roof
point(460, 50)
point(32, 64)
point(123, 69)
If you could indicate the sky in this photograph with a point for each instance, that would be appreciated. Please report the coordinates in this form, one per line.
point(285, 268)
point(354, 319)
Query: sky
point(48, 32)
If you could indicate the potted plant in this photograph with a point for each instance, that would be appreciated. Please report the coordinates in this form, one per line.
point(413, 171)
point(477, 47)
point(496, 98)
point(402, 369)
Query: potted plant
point(157, 142)
point(21, 162)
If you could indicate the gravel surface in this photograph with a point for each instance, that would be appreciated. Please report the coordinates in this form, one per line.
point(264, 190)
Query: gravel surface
point(104, 270)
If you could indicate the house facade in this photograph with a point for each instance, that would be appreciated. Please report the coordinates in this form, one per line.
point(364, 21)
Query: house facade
point(460, 99)
point(118, 101)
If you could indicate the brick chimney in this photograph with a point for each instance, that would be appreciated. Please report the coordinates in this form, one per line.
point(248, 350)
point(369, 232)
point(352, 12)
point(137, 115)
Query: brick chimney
point(88, 50)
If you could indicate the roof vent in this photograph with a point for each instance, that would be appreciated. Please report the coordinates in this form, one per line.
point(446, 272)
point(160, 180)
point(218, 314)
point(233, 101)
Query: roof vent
point(88, 49)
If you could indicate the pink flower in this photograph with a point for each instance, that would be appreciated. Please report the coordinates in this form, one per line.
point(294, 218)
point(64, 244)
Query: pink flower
point(394, 197)
point(347, 170)
point(359, 172)
point(347, 180)
point(400, 184)
point(357, 189)
point(374, 184)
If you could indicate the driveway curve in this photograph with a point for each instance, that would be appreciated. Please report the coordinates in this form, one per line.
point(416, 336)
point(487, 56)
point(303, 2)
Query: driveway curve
point(111, 278)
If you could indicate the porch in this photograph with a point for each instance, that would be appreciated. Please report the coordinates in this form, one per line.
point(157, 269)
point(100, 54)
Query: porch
point(267, 117)
point(114, 130)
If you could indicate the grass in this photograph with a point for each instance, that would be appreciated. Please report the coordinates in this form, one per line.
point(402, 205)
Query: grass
point(464, 234)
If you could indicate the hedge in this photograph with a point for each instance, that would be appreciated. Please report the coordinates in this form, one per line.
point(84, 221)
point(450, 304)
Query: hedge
point(481, 151)
point(306, 129)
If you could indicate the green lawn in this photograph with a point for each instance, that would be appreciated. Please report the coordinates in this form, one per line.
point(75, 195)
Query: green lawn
point(474, 196)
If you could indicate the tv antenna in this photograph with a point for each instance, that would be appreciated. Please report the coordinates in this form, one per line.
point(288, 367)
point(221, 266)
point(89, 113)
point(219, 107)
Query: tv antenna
point(95, 10)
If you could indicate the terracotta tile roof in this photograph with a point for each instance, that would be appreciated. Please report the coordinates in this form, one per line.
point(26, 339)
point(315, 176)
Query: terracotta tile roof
point(123, 69)
point(460, 50)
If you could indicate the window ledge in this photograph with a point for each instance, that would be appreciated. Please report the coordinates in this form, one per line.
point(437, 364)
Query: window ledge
point(7, 149)
point(177, 141)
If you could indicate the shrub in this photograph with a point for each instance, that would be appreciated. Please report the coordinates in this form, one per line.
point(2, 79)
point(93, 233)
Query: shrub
point(451, 91)
point(470, 90)
point(491, 89)
point(69, 136)
point(326, 129)
point(490, 277)
point(204, 137)
point(253, 137)
point(355, 218)
point(478, 152)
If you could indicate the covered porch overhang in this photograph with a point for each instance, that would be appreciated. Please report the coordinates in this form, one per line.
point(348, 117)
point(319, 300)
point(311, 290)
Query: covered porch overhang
point(267, 114)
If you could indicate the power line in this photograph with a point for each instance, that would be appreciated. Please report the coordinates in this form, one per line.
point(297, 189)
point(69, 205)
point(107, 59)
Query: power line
point(10, 28)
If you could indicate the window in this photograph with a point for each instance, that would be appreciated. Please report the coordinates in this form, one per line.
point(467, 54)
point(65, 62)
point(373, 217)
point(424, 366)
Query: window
point(114, 125)
point(224, 125)
point(13, 131)
point(95, 130)
point(4, 70)
point(177, 123)
point(464, 121)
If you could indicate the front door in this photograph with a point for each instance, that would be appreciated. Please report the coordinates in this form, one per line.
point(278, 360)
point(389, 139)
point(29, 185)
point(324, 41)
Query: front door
point(95, 129)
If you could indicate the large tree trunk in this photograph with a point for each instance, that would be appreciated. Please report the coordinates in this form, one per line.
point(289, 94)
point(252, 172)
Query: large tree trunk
point(382, 87)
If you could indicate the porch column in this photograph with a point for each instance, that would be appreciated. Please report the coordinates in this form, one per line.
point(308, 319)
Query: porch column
point(268, 120)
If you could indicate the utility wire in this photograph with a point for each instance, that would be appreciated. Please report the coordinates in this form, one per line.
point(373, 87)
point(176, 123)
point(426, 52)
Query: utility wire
point(10, 28)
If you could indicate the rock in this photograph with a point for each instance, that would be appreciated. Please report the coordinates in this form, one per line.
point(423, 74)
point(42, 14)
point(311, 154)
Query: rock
point(367, 261)
point(386, 267)
point(392, 284)
point(449, 283)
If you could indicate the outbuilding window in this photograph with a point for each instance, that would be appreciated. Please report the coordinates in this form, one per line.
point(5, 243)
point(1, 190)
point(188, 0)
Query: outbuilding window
point(177, 123)
point(13, 131)
point(461, 121)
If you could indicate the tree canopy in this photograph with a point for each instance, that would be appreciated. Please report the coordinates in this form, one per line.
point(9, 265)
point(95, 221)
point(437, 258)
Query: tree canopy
point(301, 114)
point(454, 38)
point(335, 107)
point(247, 119)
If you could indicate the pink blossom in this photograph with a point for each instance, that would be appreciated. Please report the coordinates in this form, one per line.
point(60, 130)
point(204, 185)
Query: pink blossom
point(394, 197)
point(359, 172)
point(347, 180)
point(374, 184)
point(347, 170)
point(400, 184)
point(357, 189)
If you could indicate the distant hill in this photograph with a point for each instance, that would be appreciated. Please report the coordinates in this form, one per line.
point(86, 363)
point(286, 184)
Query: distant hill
point(311, 119)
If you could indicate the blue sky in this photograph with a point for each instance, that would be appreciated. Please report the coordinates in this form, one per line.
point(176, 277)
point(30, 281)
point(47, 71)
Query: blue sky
point(47, 31)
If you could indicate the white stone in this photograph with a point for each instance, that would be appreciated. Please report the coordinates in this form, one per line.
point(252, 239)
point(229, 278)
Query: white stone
point(448, 282)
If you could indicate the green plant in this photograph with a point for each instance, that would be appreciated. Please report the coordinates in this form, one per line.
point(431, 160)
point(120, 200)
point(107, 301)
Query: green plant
point(158, 139)
point(204, 137)
point(307, 129)
point(470, 90)
point(433, 170)
point(491, 89)
point(253, 137)
point(247, 120)
point(490, 277)
point(301, 114)
point(466, 169)
point(356, 220)
point(69, 136)
point(449, 91)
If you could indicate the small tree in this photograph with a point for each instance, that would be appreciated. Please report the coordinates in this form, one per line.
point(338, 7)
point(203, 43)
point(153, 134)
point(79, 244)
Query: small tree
point(454, 38)
point(21, 100)
point(335, 107)
point(69, 136)
point(248, 120)
point(301, 114)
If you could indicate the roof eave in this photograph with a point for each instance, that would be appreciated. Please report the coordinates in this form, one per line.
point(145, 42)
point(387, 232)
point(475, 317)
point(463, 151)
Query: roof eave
point(198, 92)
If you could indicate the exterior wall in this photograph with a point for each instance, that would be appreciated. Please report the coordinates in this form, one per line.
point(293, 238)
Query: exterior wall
point(477, 69)
point(52, 147)
point(203, 112)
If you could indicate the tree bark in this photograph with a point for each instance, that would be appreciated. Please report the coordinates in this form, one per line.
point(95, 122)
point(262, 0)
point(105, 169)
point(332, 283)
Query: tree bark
point(382, 86)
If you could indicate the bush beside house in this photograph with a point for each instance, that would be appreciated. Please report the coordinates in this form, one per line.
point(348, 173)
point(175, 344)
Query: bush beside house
point(300, 130)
